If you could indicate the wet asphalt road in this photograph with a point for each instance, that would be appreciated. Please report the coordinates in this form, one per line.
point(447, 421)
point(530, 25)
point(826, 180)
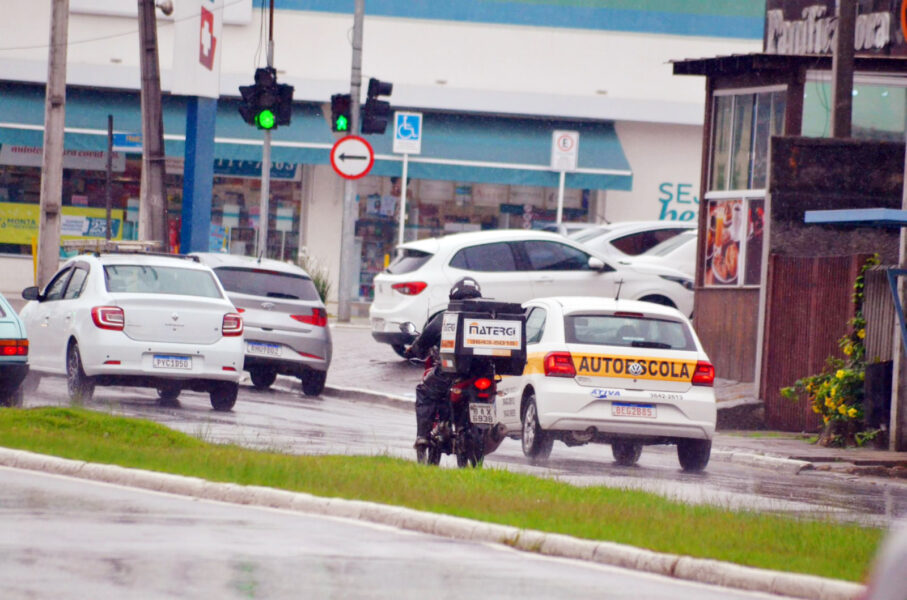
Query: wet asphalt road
point(72, 538)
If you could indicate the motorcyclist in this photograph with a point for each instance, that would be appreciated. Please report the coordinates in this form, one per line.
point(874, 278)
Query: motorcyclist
point(432, 393)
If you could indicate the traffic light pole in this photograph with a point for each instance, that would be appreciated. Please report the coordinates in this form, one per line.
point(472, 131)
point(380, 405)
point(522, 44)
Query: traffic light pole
point(264, 207)
point(349, 187)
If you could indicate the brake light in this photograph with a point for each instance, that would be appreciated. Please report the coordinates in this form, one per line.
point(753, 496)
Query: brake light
point(410, 288)
point(13, 347)
point(482, 383)
point(318, 318)
point(704, 374)
point(240, 310)
point(232, 325)
point(109, 317)
point(559, 364)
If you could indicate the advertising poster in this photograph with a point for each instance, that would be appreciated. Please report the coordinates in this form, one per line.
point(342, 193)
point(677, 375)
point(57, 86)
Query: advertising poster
point(19, 223)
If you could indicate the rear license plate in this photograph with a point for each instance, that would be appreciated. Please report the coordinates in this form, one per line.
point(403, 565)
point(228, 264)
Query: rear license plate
point(164, 361)
point(262, 348)
point(482, 414)
point(633, 409)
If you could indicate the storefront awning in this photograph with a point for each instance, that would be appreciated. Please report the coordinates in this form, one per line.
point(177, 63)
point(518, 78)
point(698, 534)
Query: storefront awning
point(467, 148)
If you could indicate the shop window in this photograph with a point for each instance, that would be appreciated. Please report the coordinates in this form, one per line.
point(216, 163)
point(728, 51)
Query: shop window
point(733, 249)
point(878, 108)
point(742, 125)
point(485, 257)
point(551, 256)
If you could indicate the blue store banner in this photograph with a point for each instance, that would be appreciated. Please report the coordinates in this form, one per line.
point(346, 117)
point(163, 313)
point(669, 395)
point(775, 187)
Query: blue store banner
point(250, 169)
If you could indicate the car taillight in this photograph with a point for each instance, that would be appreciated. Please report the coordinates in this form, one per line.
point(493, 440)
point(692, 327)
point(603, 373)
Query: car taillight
point(704, 374)
point(559, 364)
point(108, 317)
point(318, 318)
point(13, 347)
point(483, 383)
point(410, 288)
point(232, 325)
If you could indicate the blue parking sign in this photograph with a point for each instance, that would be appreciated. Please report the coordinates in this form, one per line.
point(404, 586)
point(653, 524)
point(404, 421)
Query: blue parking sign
point(407, 132)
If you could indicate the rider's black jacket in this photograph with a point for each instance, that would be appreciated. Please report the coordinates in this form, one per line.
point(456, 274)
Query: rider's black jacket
point(430, 337)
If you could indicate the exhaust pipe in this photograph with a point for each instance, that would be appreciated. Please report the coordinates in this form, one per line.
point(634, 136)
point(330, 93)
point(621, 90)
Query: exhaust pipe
point(494, 437)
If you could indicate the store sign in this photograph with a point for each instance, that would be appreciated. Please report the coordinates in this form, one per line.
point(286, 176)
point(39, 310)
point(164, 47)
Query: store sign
point(250, 169)
point(19, 223)
point(197, 47)
point(809, 27)
point(84, 160)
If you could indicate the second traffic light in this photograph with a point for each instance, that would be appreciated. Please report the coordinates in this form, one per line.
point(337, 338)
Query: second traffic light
point(340, 113)
point(376, 113)
point(266, 104)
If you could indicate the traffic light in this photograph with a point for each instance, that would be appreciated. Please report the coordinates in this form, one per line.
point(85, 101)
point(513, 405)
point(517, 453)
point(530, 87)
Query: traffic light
point(266, 104)
point(340, 113)
point(376, 113)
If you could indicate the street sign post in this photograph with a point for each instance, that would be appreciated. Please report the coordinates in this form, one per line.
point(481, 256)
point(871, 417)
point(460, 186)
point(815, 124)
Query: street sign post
point(352, 157)
point(407, 140)
point(564, 156)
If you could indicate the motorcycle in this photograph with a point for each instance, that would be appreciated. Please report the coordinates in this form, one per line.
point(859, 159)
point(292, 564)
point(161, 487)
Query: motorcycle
point(466, 426)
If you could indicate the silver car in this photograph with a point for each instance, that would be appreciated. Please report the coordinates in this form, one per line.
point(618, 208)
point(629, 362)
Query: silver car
point(286, 323)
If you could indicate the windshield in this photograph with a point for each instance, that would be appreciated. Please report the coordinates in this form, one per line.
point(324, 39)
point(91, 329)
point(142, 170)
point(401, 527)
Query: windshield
point(629, 330)
point(671, 244)
point(261, 282)
point(408, 260)
point(147, 279)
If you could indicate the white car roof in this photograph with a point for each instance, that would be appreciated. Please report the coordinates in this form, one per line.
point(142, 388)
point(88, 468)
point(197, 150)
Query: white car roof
point(571, 304)
point(456, 240)
point(138, 258)
point(223, 259)
point(632, 227)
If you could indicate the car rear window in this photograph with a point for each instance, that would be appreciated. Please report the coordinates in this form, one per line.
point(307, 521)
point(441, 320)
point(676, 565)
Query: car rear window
point(637, 243)
point(407, 261)
point(629, 330)
point(149, 279)
point(273, 284)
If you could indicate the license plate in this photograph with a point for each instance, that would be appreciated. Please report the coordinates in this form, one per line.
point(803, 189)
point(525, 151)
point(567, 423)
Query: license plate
point(482, 414)
point(163, 361)
point(633, 409)
point(262, 348)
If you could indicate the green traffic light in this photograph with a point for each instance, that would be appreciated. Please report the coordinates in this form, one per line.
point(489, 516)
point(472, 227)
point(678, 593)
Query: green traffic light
point(265, 119)
point(343, 124)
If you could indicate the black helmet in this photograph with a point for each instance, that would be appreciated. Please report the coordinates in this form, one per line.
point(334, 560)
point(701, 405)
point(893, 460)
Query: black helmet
point(465, 288)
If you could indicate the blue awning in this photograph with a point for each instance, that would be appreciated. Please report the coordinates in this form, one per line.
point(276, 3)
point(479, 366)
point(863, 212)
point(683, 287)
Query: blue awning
point(455, 147)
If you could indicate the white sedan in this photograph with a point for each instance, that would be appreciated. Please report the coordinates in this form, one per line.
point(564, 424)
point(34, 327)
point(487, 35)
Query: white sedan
point(136, 320)
point(619, 372)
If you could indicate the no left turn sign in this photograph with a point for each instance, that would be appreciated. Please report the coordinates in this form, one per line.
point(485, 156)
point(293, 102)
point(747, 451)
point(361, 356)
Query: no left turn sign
point(352, 157)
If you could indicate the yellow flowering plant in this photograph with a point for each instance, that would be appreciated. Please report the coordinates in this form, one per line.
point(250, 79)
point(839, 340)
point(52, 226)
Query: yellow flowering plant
point(837, 392)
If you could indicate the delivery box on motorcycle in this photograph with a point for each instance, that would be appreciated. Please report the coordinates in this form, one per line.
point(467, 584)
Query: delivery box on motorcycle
point(479, 331)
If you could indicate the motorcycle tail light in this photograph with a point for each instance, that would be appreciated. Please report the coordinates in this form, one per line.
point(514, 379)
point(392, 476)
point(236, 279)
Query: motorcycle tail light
point(410, 288)
point(483, 383)
point(13, 347)
point(559, 364)
point(318, 318)
point(109, 317)
point(704, 374)
point(232, 325)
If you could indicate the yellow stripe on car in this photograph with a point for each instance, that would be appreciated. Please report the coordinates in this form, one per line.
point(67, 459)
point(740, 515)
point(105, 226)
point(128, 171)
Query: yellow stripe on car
point(630, 367)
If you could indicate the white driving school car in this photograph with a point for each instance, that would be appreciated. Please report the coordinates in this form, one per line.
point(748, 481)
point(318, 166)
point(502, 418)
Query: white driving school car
point(619, 372)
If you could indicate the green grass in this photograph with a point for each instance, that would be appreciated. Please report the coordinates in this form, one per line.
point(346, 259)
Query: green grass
point(823, 547)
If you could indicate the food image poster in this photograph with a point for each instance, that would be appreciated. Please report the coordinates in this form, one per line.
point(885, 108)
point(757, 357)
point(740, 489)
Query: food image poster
point(728, 225)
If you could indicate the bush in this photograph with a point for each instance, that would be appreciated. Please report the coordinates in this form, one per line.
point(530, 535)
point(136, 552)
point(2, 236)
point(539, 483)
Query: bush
point(318, 272)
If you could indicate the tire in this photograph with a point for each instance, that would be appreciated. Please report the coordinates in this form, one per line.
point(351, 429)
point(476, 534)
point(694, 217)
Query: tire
point(400, 349)
point(313, 382)
point(169, 392)
point(694, 454)
point(262, 377)
point(79, 385)
point(536, 442)
point(626, 453)
point(223, 395)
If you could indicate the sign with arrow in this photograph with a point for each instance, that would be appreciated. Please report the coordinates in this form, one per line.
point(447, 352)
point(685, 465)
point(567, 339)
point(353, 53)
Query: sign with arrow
point(352, 157)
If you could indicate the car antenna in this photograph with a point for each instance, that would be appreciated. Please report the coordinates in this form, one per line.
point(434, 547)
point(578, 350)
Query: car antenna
point(620, 283)
point(260, 254)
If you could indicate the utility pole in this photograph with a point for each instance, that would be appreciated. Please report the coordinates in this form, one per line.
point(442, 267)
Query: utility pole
point(52, 153)
point(264, 203)
point(842, 70)
point(152, 200)
point(349, 186)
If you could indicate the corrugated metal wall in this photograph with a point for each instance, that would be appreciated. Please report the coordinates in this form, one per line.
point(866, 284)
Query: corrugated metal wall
point(809, 304)
point(726, 321)
point(881, 320)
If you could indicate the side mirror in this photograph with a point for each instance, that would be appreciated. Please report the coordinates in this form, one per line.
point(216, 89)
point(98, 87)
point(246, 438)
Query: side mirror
point(31, 293)
point(596, 264)
point(408, 328)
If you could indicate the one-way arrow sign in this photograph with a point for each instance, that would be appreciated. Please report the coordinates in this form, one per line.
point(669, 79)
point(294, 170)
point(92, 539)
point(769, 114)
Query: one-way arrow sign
point(352, 157)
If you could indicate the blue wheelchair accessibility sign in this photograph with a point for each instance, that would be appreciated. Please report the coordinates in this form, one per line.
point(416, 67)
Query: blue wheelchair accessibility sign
point(407, 132)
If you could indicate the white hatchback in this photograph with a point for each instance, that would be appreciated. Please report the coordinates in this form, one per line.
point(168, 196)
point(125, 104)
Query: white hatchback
point(619, 372)
point(136, 320)
point(510, 265)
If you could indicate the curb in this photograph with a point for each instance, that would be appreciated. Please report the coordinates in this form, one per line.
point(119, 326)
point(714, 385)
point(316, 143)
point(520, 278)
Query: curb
point(807, 587)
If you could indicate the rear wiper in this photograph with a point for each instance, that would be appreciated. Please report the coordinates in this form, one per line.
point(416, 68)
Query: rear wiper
point(281, 295)
point(642, 344)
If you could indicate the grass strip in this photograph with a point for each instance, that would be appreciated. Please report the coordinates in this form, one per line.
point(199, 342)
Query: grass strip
point(817, 547)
